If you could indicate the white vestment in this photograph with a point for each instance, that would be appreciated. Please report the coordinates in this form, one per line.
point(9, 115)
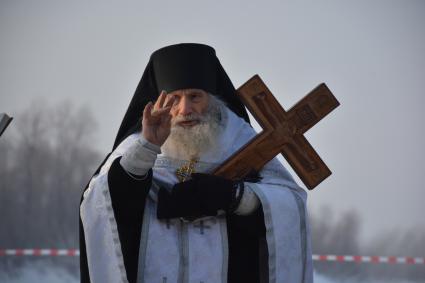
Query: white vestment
point(180, 251)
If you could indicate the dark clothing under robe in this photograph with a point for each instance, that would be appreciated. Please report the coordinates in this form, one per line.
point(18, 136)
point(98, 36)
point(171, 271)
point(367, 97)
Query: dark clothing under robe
point(128, 200)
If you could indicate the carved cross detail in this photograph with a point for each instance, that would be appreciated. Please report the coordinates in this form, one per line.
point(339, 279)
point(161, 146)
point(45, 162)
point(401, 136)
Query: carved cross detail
point(169, 223)
point(282, 133)
point(201, 227)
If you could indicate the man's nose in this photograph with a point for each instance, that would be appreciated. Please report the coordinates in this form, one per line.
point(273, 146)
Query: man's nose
point(185, 107)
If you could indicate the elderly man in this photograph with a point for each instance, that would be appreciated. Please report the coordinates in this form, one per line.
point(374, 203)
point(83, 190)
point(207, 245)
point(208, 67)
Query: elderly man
point(152, 213)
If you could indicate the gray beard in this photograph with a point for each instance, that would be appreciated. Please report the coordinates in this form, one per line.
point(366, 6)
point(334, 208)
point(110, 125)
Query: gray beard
point(190, 142)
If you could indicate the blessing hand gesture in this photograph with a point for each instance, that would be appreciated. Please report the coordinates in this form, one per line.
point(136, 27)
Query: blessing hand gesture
point(156, 123)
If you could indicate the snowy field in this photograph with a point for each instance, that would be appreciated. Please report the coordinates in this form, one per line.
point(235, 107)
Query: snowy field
point(38, 274)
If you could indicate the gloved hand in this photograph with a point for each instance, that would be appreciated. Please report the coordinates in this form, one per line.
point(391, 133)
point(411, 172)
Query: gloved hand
point(203, 195)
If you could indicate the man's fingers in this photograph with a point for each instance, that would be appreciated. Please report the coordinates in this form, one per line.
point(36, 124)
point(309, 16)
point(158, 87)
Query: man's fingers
point(160, 101)
point(169, 101)
point(161, 111)
point(147, 112)
point(168, 120)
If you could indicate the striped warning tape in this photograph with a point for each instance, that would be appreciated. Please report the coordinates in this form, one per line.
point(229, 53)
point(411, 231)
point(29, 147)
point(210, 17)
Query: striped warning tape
point(370, 259)
point(40, 252)
point(335, 258)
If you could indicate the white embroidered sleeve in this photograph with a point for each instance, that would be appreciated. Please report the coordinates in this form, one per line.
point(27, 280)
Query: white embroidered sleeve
point(139, 157)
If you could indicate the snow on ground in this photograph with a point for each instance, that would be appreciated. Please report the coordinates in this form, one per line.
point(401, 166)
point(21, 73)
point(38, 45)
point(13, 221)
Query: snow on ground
point(35, 274)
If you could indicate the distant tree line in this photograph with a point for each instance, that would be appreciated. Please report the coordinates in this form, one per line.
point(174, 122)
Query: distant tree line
point(340, 235)
point(47, 157)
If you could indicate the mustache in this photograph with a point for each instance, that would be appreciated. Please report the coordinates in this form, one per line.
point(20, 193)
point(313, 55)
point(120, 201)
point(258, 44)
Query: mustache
point(190, 117)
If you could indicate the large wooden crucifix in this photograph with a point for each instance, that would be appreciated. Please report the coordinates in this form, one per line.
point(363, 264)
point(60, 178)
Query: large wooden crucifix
point(282, 133)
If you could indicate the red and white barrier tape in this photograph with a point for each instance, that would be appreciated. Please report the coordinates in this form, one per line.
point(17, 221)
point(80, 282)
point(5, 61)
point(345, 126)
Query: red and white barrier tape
point(336, 258)
point(40, 252)
point(370, 259)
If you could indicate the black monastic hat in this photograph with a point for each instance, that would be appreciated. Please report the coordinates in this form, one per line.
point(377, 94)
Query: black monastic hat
point(174, 67)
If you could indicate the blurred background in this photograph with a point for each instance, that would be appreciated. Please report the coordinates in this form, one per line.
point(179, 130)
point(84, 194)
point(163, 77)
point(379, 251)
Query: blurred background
point(68, 70)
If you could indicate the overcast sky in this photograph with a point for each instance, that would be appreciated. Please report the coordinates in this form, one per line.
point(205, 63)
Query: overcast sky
point(371, 54)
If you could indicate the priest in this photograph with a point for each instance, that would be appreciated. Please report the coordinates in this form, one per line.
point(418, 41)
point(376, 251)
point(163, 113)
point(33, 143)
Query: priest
point(153, 212)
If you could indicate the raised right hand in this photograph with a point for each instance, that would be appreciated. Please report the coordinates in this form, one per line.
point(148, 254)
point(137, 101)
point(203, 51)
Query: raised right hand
point(156, 123)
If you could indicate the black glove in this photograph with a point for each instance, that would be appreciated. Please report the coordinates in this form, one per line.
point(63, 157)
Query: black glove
point(203, 195)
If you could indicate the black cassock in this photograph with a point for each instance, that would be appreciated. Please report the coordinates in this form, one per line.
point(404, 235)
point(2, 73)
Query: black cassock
point(245, 233)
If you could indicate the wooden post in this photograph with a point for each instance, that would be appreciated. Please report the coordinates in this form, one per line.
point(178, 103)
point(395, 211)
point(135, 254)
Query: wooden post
point(4, 122)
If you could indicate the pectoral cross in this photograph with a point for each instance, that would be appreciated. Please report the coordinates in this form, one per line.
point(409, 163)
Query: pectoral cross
point(183, 173)
point(282, 133)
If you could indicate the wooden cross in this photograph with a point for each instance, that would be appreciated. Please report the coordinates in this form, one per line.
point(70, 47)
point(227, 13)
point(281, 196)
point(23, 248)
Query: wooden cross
point(282, 133)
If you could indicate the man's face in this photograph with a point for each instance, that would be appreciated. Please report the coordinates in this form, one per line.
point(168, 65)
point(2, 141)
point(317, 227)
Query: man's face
point(195, 126)
point(188, 106)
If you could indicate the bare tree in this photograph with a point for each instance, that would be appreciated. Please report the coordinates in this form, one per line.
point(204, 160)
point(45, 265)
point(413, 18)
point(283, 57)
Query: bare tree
point(45, 161)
